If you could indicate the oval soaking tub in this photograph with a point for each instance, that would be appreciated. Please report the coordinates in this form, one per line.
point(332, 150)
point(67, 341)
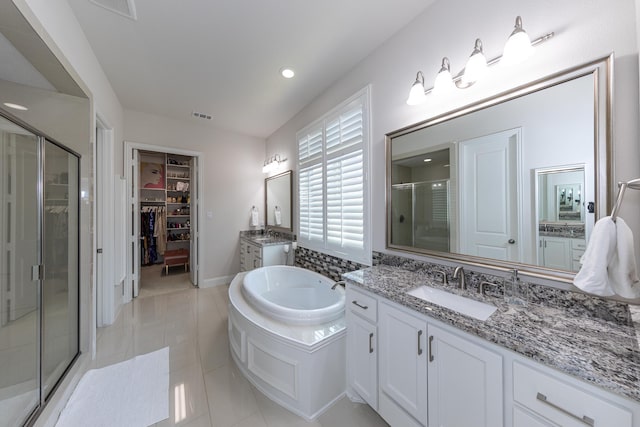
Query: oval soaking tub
point(293, 295)
point(287, 335)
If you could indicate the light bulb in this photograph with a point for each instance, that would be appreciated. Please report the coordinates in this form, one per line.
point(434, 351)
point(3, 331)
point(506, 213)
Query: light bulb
point(416, 94)
point(518, 48)
point(444, 82)
point(476, 65)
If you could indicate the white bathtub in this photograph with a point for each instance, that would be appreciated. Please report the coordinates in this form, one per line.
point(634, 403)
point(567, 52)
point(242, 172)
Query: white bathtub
point(293, 295)
point(300, 366)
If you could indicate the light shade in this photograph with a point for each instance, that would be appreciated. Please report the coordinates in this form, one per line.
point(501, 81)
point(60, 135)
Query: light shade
point(518, 47)
point(416, 94)
point(476, 65)
point(444, 81)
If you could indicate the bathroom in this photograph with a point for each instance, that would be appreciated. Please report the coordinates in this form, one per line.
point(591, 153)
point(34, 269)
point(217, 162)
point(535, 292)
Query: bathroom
point(233, 180)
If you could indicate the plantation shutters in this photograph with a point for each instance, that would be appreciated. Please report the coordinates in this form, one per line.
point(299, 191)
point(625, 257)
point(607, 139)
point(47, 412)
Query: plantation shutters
point(332, 185)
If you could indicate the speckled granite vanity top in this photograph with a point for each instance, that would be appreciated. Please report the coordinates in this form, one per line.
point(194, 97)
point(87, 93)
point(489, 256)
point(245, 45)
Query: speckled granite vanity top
point(264, 240)
point(590, 338)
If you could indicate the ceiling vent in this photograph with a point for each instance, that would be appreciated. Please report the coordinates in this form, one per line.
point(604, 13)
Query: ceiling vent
point(201, 115)
point(122, 7)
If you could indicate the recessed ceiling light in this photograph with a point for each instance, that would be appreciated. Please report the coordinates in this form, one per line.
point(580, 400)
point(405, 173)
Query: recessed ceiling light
point(287, 72)
point(446, 166)
point(427, 160)
point(15, 106)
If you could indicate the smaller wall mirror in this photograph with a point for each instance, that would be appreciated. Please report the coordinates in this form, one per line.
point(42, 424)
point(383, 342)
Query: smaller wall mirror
point(277, 202)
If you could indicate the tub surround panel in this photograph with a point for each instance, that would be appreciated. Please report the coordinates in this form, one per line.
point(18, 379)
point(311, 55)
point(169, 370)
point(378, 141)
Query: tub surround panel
point(589, 338)
point(327, 265)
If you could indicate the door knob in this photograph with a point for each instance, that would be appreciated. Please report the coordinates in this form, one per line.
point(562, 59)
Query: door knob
point(511, 241)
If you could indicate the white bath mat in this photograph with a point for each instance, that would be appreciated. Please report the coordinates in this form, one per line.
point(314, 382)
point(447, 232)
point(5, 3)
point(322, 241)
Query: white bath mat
point(133, 393)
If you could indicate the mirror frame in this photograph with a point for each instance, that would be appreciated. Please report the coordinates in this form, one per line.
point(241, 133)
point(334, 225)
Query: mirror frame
point(266, 212)
point(602, 71)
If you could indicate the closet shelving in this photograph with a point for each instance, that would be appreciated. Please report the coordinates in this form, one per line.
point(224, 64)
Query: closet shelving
point(174, 198)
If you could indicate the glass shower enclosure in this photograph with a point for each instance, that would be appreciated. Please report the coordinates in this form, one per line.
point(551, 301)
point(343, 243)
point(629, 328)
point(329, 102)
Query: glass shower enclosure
point(39, 217)
point(420, 216)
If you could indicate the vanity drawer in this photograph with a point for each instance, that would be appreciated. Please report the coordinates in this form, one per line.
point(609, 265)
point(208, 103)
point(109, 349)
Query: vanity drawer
point(563, 403)
point(364, 305)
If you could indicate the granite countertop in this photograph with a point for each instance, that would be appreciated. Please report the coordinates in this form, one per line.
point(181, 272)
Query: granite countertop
point(264, 240)
point(595, 341)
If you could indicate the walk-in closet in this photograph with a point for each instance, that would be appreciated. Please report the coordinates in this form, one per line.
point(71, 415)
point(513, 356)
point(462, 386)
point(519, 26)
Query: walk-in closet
point(166, 222)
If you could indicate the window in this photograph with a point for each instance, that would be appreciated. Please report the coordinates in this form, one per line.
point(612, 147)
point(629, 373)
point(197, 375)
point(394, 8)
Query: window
point(333, 189)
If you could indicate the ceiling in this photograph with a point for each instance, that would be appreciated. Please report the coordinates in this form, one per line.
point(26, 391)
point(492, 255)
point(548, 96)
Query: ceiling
point(222, 57)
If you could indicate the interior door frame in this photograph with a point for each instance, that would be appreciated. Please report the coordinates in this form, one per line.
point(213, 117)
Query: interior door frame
point(133, 206)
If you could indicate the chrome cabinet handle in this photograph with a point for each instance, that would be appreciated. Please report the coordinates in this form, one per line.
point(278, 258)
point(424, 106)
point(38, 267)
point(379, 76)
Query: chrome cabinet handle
point(430, 346)
point(364, 307)
point(587, 420)
point(419, 348)
point(371, 343)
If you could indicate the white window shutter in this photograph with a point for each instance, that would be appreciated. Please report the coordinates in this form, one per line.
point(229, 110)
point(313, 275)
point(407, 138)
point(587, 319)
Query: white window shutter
point(345, 201)
point(311, 204)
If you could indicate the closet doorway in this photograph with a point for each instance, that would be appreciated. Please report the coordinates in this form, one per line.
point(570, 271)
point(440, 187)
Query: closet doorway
point(164, 228)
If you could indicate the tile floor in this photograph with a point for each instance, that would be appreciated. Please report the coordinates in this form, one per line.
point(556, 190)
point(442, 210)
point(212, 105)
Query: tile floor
point(193, 323)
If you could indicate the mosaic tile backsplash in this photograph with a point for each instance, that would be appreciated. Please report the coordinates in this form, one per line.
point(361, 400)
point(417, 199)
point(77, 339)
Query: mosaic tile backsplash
point(327, 265)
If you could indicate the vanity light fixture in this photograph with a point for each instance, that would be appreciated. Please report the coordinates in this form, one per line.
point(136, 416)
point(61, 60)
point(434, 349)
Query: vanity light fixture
point(272, 163)
point(417, 93)
point(15, 106)
point(518, 48)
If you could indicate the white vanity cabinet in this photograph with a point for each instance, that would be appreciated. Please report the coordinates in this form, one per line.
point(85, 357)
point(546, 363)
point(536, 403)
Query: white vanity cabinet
point(362, 345)
point(430, 373)
point(253, 255)
point(544, 399)
point(561, 253)
point(403, 367)
point(463, 373)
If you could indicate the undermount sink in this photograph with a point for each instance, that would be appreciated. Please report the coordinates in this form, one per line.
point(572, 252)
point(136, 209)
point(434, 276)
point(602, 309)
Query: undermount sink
point(467, 306)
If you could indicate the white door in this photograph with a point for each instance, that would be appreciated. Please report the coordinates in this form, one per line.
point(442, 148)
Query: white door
point(403, 362)
point(465, 382)
point(489, 225)
point(193, 262)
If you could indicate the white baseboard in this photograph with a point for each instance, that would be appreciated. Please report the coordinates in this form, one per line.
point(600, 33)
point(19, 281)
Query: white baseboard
point(216, 281)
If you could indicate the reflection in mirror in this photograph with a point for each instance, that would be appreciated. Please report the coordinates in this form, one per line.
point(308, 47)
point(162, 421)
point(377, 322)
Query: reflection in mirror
point(278, 206)
point(561, 217)
point(495, 183)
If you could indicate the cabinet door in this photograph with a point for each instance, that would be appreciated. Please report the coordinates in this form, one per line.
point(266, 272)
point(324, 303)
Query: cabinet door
point(557, 253)
point(465, 382)
point(403, 361)
point(362, 358)
point(522, 418)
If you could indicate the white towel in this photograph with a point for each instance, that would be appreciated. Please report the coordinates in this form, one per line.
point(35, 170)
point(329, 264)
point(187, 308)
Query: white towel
point(278, 216)
point(608, 264)
point(255, 220)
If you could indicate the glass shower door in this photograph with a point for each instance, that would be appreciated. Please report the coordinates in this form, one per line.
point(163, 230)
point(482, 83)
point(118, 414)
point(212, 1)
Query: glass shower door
point(60, 258)
point(19, 292)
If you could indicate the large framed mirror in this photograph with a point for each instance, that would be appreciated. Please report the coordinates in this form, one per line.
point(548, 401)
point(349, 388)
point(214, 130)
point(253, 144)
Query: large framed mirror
point(514, 181)
point(278, 206)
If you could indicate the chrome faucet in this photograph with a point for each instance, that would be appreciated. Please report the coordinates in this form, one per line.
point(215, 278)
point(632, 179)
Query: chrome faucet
point(459, 274)
point(445, 281)
point(339, 282)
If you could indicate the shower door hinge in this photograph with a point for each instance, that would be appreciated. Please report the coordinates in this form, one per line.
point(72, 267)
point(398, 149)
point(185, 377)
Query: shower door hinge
point(37, 272)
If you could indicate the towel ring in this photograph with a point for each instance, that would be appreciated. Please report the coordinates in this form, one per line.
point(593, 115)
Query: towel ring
point(622, 187)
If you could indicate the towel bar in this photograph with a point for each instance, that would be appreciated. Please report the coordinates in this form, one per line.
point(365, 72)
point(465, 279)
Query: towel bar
point(622, 186)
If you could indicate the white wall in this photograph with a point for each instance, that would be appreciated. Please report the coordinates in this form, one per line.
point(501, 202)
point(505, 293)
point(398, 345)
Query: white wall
point(233, 183)
point(585, 30)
